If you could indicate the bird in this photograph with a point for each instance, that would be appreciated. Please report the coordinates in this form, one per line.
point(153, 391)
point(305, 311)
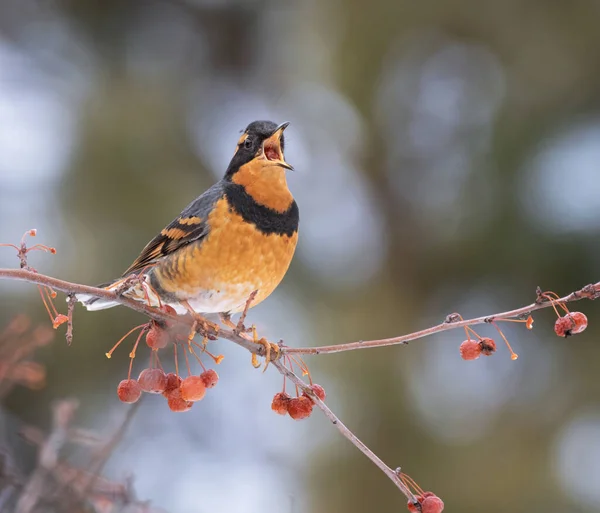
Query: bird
point(235, 240)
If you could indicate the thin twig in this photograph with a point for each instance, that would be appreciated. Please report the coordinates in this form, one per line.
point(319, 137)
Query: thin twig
point(70, 307)
point(452, 322)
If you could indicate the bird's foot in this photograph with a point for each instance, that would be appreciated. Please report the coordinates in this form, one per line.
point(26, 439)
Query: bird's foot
point(269, 348)
point(200, 325)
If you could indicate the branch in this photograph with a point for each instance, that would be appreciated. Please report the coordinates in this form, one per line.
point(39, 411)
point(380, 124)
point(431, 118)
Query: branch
point(153, 313)
point(243, 339)
point(453, 321)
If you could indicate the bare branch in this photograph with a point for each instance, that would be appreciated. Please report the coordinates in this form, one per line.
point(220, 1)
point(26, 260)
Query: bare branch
point(453, 321)
point(237, 334)
point(153, 313)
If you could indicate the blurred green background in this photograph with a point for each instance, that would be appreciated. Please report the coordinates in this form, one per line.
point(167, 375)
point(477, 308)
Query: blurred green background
point(448, 159)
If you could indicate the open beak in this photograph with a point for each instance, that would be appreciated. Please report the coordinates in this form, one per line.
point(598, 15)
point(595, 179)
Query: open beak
point(272, 147)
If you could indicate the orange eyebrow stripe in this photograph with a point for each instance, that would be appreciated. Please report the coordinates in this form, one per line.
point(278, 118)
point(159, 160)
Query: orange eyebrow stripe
point(189, 220)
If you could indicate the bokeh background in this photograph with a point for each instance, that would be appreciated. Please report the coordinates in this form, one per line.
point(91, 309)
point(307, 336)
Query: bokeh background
point(448, 159)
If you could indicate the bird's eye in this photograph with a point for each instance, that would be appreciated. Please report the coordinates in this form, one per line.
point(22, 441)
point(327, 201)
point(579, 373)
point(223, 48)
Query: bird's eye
point(248, 143)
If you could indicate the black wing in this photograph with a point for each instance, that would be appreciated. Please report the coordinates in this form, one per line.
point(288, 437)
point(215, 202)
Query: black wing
point(191, 225)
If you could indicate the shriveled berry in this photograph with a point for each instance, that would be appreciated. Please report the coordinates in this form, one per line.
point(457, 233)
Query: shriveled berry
point(177, 404)
point(414, 508)
point(280, 403)
point(192, 388)
point(432, 504)
point(157, 337)
point(570, 324)
point(129, 390)
point(210, 378)
point(300, 407)
point(488, 346)
point(470, 350)
point(318, 390)
point(153, 381)
point(173, 384)
point(581, 322)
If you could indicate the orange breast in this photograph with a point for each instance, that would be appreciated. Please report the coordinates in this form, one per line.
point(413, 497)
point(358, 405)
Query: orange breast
point(234, 260)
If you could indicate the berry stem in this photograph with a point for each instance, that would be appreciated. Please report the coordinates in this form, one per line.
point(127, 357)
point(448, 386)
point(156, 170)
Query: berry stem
point(513, 355)
point(175, 356)
point(187, 361)
point(109, 354)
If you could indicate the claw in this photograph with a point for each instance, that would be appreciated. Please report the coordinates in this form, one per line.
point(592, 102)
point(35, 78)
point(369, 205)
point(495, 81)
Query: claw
point(268, 348)
point(204, 323)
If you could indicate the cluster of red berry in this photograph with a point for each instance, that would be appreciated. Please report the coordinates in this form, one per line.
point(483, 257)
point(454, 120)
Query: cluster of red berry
point(571, 323)
point(180, 393)
point(471, 349)
point(297, 407)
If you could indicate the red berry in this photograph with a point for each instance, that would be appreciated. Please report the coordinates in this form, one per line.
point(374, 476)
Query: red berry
point(414, 508)
point(129, 391)
point(432, 503)
point(488, 346)
point(570, 324)
point(192, 388)
point(210, 378)
point(280, 403)
point(153, 381)
point(169, 309)
point(300, 407)
point(581, 322)
point(470, 350)
point(157, 337)
point(177, 404)
point(318, 390)
point(173, 384)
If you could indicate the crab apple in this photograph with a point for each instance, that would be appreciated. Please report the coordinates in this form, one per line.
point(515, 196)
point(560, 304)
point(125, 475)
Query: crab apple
point(153, 381)
point(177, 404)
point(488, 346)
point(432, 504)
point(173, 384)
point(300, 407)
point(129, 390)
point(280, 403)
point(470, 350)
point(580, 321)
point(157, 337)
point(318, 390)
point(414, 507)
point(210, 378)
point(570, 324)
point(192, 388)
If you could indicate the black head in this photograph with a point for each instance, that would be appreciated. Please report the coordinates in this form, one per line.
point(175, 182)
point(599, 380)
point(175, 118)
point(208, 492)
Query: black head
point(261, 140)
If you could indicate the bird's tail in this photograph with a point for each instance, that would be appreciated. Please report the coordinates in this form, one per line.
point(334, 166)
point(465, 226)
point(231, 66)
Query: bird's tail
point(93, 303)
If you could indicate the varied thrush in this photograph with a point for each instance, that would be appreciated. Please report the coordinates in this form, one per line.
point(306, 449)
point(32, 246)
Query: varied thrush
point(236, 238)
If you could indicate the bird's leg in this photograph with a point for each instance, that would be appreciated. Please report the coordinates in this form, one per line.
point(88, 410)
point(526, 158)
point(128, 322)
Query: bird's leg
point(205, 324)
point(268, 348)
point(240, 325)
